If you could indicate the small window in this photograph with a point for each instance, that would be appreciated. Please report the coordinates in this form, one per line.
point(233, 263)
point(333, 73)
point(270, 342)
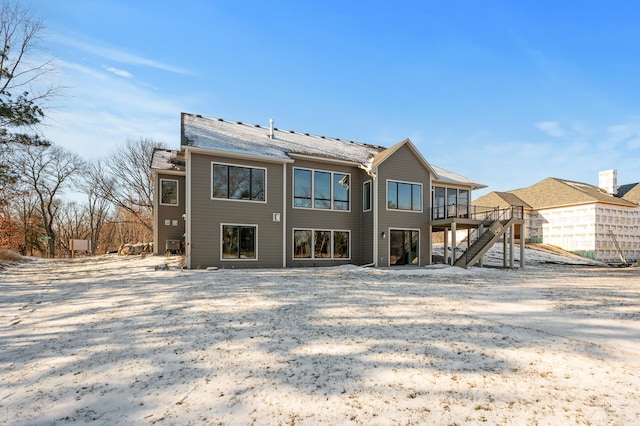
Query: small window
point(366, 196)
point(341, 244)
point(302, 244)
point(302, 188)
point(239, 242)
point(169, 192)
point(322, 240)
point(322, 190)
point(340, 191)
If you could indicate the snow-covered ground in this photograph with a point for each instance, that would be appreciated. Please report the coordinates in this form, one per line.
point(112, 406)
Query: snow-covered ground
point(112, 340)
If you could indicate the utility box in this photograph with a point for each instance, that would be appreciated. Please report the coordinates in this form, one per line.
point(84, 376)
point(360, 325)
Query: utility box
point(173, 247)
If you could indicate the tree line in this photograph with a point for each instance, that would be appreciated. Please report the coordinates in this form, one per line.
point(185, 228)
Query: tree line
point(112, 201)
point(37, 217)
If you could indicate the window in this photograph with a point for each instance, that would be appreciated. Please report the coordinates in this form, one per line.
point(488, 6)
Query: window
point(320, 244)
point(169, 192)
point(239, 242)
point(404, 196)
point(366, 196)
point(452, 202)
point(238, 183)
point(320, 190)
point(438, 202)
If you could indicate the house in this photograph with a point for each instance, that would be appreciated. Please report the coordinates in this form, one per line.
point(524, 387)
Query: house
point(598, 222)
point(238, 195)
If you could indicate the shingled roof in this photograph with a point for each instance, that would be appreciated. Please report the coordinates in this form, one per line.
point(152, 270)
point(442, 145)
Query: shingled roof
point(502, 200)
point(630, 192)
point(554, 192)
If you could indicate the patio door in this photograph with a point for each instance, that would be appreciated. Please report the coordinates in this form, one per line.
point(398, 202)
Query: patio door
point(404, 246)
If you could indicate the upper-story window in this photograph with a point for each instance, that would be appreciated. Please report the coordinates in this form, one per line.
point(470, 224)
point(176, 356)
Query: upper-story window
point(366, 196)
point(238, 182)
point(169, 192)
point(316, 189)
point(404, 196)
point(450, 202)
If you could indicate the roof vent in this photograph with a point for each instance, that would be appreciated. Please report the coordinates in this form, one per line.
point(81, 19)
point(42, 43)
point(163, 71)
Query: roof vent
point(271, 128)
point(238, 122)
point(220, 119)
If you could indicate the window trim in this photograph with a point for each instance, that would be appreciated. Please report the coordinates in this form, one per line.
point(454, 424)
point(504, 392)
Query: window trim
point(177, 203)
point(213, 163)
point(313, 184)
point(370, 192)
point(255, 242)
point(313, 231)
point(404, 210)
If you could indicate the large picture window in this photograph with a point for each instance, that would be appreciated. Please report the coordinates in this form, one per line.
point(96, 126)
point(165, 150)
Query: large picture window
point(238, 183)
point(404, 196)
point(168, 192)
point(321, 190)
point(320, 244)
point(239, 242)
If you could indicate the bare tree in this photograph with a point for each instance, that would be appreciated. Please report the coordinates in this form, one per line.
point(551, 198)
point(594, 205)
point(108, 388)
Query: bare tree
point(47, 171)
point(23, 87)
point(98, 205)
point(70, 223)
point(128, 183)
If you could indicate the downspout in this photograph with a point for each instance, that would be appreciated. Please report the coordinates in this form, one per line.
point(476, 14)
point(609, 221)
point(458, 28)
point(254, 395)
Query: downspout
point(156, 181)
point(284, 213)
point(375, 218)
point(187, 196)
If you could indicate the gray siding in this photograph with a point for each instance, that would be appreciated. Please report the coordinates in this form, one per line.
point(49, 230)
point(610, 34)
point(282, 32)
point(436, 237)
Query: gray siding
point(175, 228)
point(208, 214)
point(318, 219)
point(403, 166)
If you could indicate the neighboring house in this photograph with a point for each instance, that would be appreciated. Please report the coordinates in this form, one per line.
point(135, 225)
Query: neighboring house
point(579, 217)
point(239, 195)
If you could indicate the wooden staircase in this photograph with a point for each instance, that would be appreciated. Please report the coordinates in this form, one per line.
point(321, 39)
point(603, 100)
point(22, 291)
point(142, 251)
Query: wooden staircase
point(485, 240)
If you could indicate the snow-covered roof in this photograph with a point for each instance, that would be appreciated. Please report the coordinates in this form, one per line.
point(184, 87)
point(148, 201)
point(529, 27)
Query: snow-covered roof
point(253, 139)
point(448, 176)
point(167, 160)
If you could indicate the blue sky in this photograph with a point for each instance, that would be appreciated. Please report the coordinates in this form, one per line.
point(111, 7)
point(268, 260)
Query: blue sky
point(503, 92)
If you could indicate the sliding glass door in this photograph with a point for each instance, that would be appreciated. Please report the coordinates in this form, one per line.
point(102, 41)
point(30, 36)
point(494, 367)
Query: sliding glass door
point(404, 247)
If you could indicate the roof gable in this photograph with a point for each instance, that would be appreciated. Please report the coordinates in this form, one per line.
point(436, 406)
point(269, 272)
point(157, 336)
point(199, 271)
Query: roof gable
point(387, 153)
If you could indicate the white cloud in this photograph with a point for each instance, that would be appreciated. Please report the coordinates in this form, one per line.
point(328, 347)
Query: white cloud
point(551, 128)
point(119, 72)
point(114, 54)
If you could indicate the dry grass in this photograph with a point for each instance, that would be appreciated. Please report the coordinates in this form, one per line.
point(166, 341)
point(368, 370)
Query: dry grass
point(9, 255)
